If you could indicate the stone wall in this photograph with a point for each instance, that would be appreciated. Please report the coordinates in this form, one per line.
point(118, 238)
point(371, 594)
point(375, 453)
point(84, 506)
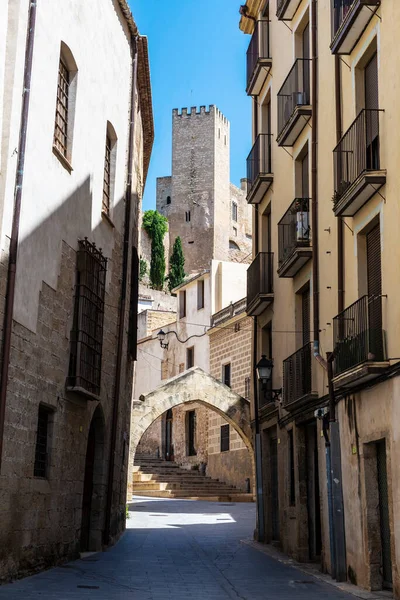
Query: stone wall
point(200, 185)
point(153, 320)
point(41, 517)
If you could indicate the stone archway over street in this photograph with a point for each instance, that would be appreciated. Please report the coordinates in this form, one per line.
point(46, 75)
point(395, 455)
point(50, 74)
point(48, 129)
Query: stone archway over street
point(194, 385)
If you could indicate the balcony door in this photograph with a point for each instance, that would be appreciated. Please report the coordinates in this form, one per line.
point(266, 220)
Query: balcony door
point(374, 287)
point(372, 117)
point(306, 64)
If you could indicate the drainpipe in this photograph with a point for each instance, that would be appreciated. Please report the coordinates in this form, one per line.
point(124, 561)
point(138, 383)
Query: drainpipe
point(314, 184)
point(19, 178)
point(340, 255)
point(122, 303)
point(257, 446)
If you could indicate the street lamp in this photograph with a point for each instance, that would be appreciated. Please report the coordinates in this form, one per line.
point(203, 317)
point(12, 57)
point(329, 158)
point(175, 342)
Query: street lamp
point(161, 337)
point(264, 374)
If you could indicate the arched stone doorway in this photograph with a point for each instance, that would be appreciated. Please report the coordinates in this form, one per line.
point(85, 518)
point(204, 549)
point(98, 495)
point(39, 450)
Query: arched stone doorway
point(93, 497)
point(194, 385)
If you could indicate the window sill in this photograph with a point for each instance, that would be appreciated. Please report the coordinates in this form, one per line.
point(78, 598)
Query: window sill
point(107, 218)
point(82, 392)
point(63, 160)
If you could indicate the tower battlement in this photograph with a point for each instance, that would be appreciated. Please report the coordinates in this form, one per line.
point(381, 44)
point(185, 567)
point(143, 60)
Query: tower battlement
point(196, 111)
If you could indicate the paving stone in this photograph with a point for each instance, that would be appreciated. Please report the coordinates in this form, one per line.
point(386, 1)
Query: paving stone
point(187, 555)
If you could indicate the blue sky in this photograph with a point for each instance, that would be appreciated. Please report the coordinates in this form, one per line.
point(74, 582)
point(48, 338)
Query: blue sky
point(197, 56)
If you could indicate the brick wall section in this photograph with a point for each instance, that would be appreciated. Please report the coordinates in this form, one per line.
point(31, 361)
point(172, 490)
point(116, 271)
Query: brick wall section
point(234, 347)
point(153, 320)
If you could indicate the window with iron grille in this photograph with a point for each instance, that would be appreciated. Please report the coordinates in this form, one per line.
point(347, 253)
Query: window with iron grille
point(42, 442)
point(87, 332)
point(234, 211)
point(187, 216)
point(107, 178)
point(224, 438)
point(61, 120)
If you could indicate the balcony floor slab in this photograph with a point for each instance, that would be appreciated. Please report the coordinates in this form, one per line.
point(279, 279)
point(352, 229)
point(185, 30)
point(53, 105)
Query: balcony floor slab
point(354, 198)
point(259, 76)
point(295, 261)
point(359, 374)
point(295, 125)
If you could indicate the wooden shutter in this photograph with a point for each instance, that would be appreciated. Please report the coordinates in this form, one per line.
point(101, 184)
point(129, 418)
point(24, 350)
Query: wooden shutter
point(371, 83)
point(374, 281)
point(374, 262)
point(304, 177)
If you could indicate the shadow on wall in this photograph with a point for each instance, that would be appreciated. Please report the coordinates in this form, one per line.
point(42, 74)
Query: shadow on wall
point(44, 304)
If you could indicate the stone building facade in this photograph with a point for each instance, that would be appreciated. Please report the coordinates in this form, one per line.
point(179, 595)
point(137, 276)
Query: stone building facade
point(67, 399)
point(199, 445)
point(322, 287)
point(230, 355)
point(208, 212)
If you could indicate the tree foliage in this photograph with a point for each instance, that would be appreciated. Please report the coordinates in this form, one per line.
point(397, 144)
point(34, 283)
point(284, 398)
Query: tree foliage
point(176, 273)
point(156, 225)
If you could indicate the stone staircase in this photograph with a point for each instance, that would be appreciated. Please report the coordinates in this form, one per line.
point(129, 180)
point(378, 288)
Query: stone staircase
point(158, 478)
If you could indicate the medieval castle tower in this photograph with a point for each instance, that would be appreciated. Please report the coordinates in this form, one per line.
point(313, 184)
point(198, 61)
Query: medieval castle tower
point(208, 212)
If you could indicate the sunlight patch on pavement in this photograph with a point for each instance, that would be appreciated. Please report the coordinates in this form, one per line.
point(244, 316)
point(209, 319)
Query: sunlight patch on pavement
point(150, 520)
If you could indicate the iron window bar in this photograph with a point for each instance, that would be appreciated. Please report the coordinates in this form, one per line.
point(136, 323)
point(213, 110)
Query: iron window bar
point(260, 276)
point(297, 375)
point(87, 332)
point(358, 334)
point(61, 119)
point(259, 159)
point(294, 92)
point(357, 152)
point(258, 49)
point(107, 178)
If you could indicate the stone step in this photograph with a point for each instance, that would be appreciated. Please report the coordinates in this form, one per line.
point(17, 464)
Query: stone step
point(232, 497)
point(178, 486)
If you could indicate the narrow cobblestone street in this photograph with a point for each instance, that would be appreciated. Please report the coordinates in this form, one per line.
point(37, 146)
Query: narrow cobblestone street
point(178, 550)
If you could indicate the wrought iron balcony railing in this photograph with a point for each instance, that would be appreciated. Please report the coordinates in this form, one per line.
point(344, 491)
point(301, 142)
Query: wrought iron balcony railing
point(260, 279)
point(294, 92)
point(357, 152)
point(258, 53)
point(259, 159)
point(297, 375)
point(294, 229)
point(358, 334)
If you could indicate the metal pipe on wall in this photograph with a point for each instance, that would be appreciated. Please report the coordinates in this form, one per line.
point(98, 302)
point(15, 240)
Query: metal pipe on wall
point(257, 445)
point(314, 176)
point(14, 238)
point(122, 304)
point(338, 113)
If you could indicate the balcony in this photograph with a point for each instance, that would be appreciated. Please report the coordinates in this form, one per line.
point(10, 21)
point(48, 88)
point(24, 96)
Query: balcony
point(294, 238)
point(297, 379)
point(357, 170)
point(359, 345)
point(259, 176)
point(294, 109)
point(260, 290)
point(259, 61)
point(227, 313)
point(286, 9)
point(349, 20)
